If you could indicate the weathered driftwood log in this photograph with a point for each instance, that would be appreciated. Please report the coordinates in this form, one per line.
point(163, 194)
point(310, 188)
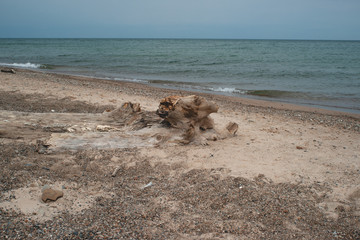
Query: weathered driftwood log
point(8, 71)
point(190, 113)
point(181, 111)
point(187, 120)
point(131, 115)
point(127, 114)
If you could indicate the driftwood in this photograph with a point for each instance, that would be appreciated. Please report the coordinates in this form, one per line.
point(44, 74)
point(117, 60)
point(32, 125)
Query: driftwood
point(183, 120)
point(115, 171)
point(131, 115)
point(191, 114)
point(180, 112)
point(8, 71)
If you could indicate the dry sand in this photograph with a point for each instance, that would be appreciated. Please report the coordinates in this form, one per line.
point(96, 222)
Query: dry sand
point(290, 172)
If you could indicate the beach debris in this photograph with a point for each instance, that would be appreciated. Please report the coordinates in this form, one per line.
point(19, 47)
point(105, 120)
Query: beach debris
point(76, 128)
point(115, 172)
point(41, 147)
point(50, 194)
point(232, 128)
point(105, 128)
point(181, 112)
point(8, 71)
point(130, 114)
point(56, 128)
point(71, 129)
point(189, 113)
point(178, 120)
point(147, 185)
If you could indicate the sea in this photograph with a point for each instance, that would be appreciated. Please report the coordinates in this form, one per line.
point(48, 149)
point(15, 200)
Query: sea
point(323, 74)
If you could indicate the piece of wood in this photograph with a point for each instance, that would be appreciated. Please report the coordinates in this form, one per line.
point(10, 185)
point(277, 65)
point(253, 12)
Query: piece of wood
point(130, 114)
point(8, 71)
point(189, 113)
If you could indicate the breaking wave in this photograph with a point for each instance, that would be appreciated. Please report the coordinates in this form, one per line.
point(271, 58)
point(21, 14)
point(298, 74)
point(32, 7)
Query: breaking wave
point(24, 65)
point(131, 80)
point(228, 90)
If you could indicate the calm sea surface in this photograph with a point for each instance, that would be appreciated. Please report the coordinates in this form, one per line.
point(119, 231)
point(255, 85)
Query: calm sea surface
point(323, 74)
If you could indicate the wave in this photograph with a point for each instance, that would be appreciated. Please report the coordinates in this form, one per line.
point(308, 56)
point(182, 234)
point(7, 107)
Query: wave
point(130, 80)
point(228, 90)
point(196, 86)
point(23, 65)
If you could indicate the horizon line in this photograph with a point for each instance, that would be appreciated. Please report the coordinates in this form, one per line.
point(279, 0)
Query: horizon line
point(183, 38)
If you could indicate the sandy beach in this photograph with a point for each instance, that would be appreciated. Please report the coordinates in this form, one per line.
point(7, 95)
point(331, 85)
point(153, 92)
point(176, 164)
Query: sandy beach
point(289, 172)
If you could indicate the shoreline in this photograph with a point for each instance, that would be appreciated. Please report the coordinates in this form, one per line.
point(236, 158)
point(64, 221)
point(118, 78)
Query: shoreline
point(251, 100)
point(258, 95)
point(255, 97)
point(345, 120)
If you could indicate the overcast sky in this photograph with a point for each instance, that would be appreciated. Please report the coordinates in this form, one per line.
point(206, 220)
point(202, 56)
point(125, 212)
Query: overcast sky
point(243, 19)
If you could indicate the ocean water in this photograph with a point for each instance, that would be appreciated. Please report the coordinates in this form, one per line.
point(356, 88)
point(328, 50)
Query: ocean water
point(323, 74)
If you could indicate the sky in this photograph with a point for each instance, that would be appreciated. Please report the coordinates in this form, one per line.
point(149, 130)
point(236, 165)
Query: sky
point(219, 19)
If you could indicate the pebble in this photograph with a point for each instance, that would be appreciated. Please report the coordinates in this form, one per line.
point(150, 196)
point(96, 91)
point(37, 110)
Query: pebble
point(147, 185)
point(51, 195)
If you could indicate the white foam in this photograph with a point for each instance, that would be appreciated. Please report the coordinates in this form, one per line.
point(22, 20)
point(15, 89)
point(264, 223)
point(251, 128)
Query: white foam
point(22, 65)
point(228, 90)
point(131, 80)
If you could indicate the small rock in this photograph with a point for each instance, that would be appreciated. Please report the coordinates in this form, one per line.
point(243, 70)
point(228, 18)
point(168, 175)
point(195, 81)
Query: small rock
point(147, 185)
point(51, 195)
